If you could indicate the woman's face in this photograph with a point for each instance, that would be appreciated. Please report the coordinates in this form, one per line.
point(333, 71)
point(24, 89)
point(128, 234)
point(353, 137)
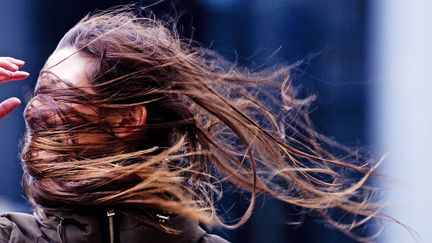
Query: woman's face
point(71, 67)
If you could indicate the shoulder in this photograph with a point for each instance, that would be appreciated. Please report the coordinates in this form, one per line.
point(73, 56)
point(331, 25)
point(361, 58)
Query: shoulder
point(209, 238)
point(19, 227)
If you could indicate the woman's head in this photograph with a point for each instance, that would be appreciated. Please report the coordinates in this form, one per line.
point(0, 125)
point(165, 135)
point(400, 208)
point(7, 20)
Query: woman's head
point(69, 68)
point(126, 114)
point(120, 65)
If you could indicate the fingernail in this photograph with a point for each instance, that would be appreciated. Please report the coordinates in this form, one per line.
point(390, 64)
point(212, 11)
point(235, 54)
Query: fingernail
point(15, 67)
point(25, 73)
point(15, 99)
point(21, 62)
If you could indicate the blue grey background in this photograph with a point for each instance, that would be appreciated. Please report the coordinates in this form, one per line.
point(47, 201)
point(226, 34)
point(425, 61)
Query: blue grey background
point(331, 36)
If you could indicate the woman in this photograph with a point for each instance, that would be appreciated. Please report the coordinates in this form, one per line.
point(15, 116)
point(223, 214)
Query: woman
point(133, 133)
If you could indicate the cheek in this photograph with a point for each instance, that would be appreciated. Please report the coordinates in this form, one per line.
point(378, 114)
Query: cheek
point(92, 138)
point(44, 155)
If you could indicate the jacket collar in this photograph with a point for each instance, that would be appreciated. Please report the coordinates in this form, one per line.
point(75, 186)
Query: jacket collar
point(92, 226)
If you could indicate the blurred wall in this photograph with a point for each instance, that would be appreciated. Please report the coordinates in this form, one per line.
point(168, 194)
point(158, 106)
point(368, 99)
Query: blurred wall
point(401, 124)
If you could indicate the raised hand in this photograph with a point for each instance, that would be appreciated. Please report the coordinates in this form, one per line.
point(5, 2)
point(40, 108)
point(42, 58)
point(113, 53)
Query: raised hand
point(9, 70)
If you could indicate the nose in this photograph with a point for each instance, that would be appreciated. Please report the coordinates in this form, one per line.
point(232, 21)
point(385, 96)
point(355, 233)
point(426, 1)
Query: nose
point(32, 117)
point(38, 115)
point(30, 112)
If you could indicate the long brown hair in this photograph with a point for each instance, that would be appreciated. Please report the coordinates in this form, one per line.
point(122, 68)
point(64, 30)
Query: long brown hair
point(210, 123)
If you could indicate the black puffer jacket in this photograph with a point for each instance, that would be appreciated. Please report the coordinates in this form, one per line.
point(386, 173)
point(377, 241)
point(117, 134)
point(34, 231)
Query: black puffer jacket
point(71, 226)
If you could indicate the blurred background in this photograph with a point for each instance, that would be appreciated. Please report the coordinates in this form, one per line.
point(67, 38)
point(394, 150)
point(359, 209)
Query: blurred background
point(367, 61)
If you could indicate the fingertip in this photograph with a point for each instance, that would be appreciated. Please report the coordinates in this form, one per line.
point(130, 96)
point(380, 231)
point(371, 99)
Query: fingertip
point(19, 62)
point(15, 100)
point(20, 75)
point(23, 73)
point(8, 106)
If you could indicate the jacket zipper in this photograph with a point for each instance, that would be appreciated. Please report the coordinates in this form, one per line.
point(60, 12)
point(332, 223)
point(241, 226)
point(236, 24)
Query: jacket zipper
point(110, 214)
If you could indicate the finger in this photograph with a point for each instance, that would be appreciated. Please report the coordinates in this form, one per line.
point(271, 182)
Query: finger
point(5, 73)
point(15, 61)
point(8, 106)
point(18, 75)
point(6, 64)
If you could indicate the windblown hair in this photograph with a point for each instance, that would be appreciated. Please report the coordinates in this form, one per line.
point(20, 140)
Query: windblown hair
point(209, 124)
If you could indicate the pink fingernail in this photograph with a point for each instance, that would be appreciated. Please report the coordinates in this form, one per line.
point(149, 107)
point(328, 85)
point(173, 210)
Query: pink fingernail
point(21, 62)
point(14, 100)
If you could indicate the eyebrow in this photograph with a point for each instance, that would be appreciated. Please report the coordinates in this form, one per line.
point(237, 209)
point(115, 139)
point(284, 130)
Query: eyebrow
point(51, 78)
point(50, 73)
